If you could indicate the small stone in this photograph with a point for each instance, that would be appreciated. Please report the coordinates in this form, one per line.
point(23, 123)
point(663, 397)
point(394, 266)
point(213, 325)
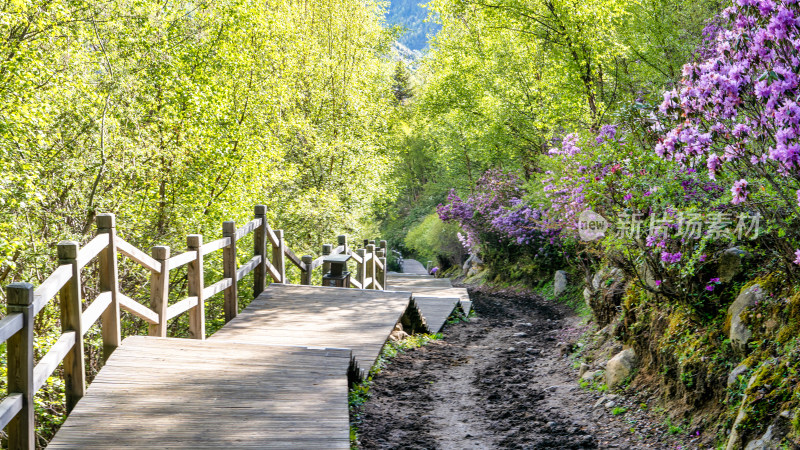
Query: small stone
point(611, 404)
point(599, 402)
point(511, 349)
point(736, 372)
point(620, 367)
point(520, 334)
point(583, 369)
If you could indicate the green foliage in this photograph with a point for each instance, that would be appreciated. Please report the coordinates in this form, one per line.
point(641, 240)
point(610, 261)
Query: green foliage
point(434, 240)
point(618, 410)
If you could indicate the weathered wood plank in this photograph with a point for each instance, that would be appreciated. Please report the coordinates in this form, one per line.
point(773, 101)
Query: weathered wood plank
point(247, 228)
point(10, 325)
point(248, 267)
point(137, 255)
point(137, 309)
point(215, 245)
point(191, 394)
point(50, 361)
point(181, 260)
point(217, 287)
point(181, 307)
point(50, 287)
point(294, 259)
point(95, 310)
point(9, 408)
point(92, 249)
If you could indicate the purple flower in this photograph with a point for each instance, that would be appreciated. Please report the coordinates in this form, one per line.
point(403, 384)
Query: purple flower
point(658, 282)
point(629, 196)
point(671, 258)
point(702, 257)
point(739, 191)
point(714, 280)
point(710, 287)
point(797, 257)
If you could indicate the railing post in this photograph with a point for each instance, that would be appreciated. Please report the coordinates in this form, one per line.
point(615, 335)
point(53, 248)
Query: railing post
point(305, 275)
point(371, 266)
point(342, 241)
point(159, 291)
point(361, 268)
point(21, 429)
point(71, 311)
point(326, 250)
point(278, 256)
point(260, 249)
point(195, 276)
point(229, 267)
point(109, 282)
point(381, 273)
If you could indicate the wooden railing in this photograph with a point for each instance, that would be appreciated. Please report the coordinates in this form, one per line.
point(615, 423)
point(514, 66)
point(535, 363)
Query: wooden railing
point(25, 377)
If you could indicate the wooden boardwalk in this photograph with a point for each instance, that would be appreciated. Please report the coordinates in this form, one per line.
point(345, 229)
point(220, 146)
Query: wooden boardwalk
point(320, 316)
point(180, 393)
point(276, 376)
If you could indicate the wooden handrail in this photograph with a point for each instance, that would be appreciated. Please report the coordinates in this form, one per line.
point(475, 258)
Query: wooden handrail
point(10, 325)
point(49, 362)
point(92, 249)
point(247, 228)
point(294, 259)
point(181, 260)
point(181, 307)
point(215, 245)
point(93, 312)
point(248, 267)
point(24, 302)
point(50, 287)
point(137, 309)
point(137, 255)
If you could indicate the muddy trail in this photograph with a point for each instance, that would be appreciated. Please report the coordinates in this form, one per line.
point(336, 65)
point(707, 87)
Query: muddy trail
point(501, 381)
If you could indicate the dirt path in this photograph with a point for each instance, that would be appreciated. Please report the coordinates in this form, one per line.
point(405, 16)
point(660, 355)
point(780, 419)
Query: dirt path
point(498, 382)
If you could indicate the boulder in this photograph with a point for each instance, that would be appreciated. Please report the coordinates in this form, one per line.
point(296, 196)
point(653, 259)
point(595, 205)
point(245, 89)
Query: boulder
point(584, 368)
point(771, 440)
point(591, 375)
point(734, 375)
point(739, 334)
point(587, 297)
point(730, 264)
point(620, 367)
point(398, 334)
point(559, 283)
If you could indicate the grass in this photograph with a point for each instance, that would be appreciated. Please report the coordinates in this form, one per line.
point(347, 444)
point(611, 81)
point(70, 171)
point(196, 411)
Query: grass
point(617, 410)
point(359, 392)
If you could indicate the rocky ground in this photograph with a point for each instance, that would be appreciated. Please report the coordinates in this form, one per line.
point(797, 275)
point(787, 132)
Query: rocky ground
point(502, 381)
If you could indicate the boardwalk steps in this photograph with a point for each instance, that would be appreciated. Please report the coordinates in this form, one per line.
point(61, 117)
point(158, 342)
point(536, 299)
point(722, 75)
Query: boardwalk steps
point(275, 376)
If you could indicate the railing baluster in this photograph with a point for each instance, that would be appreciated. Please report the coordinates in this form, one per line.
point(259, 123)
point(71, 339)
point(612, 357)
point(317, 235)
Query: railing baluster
point(71, 313)
point(361, 268)
point(109, 282)
point(229, 266)
point(196, 281)
point(159, 291)
point(305, 275)
point(278, 257)
point(371, 265)
point(326, 251)
point(260, 248)
point(21, 429)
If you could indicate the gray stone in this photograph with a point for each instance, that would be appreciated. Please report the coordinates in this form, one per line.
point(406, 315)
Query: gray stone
point(605, 274)
point(730, 264)
point(559, 283)
point(600, 401)
point(769, 441)
point(584, 368)
point(734, 440)
point(587, 297)
point(611, 404)
point(734, 375)
point(620, 367)
point(739, 333)
point(591, 375)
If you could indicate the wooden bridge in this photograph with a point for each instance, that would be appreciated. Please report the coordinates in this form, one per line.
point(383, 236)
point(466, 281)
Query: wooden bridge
point(275, 376)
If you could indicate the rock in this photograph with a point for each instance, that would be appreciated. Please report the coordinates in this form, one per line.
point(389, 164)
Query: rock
point(620, 367)
point(734, 440)
point(734, 375)
point(611, 404)
point(587, 297)
point(730, 264)
point(771, 440)
point(600, 401)
point(520, 334)
point(739, 334)
point(584, 368)
point(603, 275)
point(511, 349)
point(398, 334)
point(591, 375)
point(559, 283)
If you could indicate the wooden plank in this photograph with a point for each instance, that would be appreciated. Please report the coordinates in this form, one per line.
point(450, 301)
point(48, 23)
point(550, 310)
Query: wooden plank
point(320, 316)
point(181, 307)
point(195, 278)
point(50, 287)
point(181, 260)
point(216, 288)
point(95, 310)
point(159, 291)
point(413, 266)
point(9, 408)
point(21, 425)
point(92, 249)
point(110, 327)
point(428, 282)
point(230, 303)
point(215, 245)
point(49, 362)
point(356, 257)
point(355, 283)
point(294, 259)
point(248, 267)
point(10, 325)
point(137, 309)
point(137, 255)
point(201, 395)
point(273, 272)
point(247, 228)
point(435, 310)
point(71, 318)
